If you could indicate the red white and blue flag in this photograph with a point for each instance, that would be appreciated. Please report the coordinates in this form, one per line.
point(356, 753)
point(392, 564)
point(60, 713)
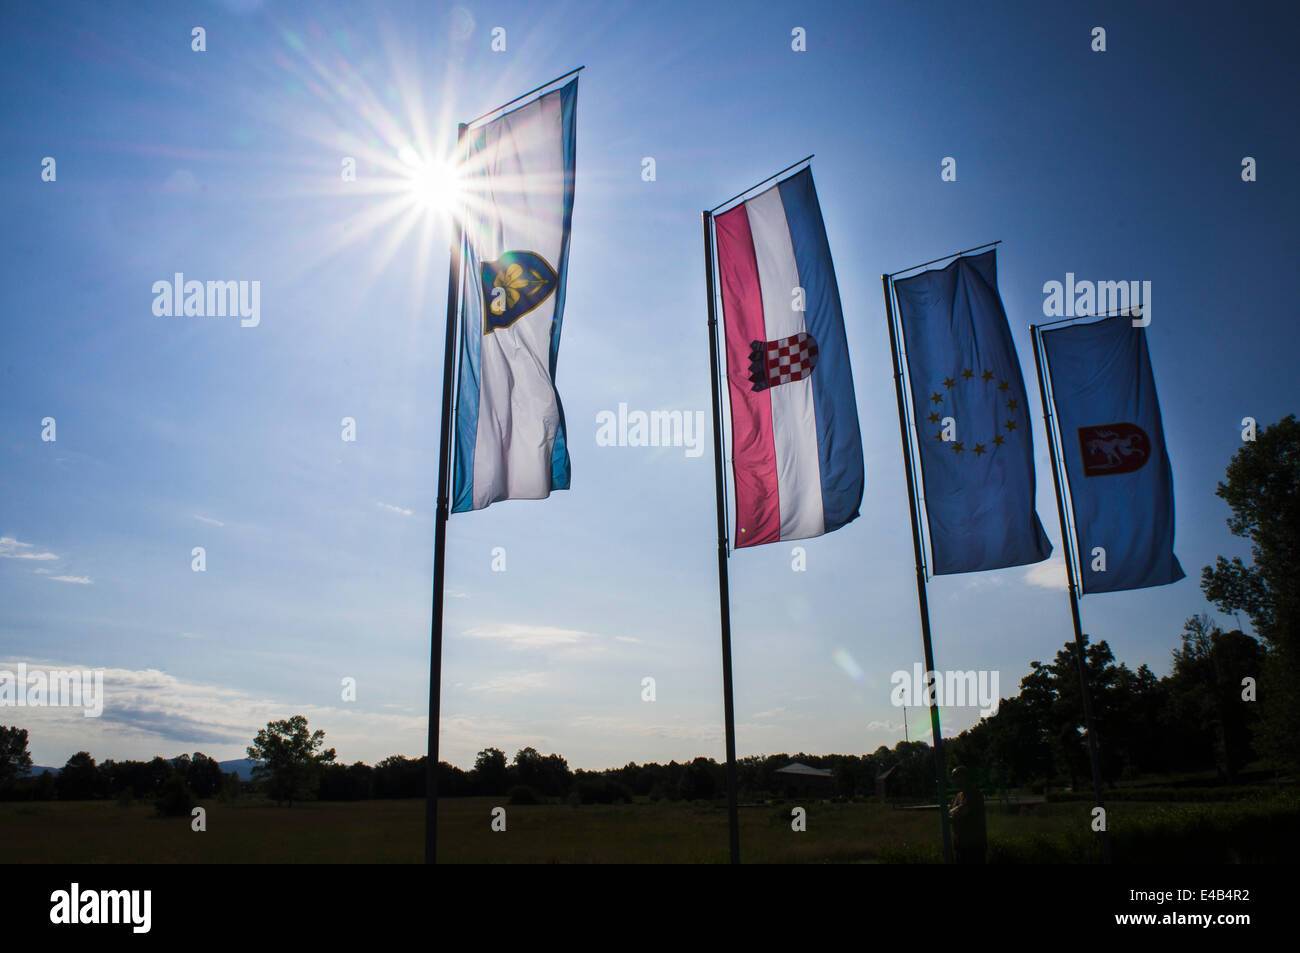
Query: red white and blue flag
point(795, 444)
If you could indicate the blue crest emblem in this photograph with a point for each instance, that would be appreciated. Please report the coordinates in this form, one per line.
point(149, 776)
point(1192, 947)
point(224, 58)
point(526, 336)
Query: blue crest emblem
point(514, 285)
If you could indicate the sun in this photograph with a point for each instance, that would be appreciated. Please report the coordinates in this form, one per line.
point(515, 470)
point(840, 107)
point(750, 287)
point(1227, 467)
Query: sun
point(432, 183)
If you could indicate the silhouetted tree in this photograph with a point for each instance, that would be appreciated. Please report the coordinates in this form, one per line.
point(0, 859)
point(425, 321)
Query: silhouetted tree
point(547, 775)
point(175, 799)
point(205, 776)
point(1206, 691)
point(79, 779)
point(290, 758)
point(1263, 490)
point(14, 756)
point(490, 775)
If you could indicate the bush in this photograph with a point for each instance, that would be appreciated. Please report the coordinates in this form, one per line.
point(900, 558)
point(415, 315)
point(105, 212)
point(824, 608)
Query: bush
point(175, 799)
point(523, 794)
point(230, 788)
point(782, 816)
point(599, 791)
point(1166, 794)
point(1250, 832)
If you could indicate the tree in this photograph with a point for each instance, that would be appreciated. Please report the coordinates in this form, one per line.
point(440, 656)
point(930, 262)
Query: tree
point(157, 773)
point(547, 775)
point(1263, 490)
point(290, 758)
point(230, 787)
point(79, 779)
point(205, 776)
point(14, 756)
point(697, 782)
point(1068, 716)
point(1206, 686)
point(490, 774)
point(175, 799)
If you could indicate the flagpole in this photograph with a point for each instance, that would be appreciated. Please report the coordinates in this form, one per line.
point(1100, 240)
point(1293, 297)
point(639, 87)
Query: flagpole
point(440, 535)
point(724, 595)
point(1067, 544)
point(922, 603)
point(537, 89)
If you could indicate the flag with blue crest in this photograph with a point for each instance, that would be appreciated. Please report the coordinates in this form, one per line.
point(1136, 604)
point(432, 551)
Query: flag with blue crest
point(510, 435)
point(972, 419)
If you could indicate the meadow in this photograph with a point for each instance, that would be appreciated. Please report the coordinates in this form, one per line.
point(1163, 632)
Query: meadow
point(252, 830)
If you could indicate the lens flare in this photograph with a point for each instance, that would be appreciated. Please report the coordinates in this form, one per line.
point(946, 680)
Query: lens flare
point(432, 184)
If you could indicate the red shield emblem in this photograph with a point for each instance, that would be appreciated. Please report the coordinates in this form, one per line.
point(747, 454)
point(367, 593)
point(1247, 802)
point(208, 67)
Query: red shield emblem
point(773, 363)
point(1113, 448)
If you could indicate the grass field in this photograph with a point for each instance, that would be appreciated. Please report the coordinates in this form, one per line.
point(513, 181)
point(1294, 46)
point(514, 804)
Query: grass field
point(254, 831)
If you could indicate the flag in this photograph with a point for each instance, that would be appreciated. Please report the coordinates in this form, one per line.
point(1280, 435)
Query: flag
point(1121, 483)
point(972, 419)
point(796, 448)
point(518, 175)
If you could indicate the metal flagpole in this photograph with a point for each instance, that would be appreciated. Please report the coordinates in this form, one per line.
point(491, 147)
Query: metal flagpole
point(1067, 538)
point(716, 208)
point(537, 89)
point(440, 534)
point(724, 595)
point(922, 604)
point(443, 511)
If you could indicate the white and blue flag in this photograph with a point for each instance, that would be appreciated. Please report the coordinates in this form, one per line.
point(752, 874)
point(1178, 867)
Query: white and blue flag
point(517, 175)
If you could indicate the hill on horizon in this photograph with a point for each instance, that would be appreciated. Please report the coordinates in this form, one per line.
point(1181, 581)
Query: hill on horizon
point(243, 767)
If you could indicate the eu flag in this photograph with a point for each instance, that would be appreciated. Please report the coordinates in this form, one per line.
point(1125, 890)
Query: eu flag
point(972, 419)
point(1121, 484)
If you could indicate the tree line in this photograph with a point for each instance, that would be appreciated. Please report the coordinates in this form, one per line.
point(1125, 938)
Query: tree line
point(1226, 702)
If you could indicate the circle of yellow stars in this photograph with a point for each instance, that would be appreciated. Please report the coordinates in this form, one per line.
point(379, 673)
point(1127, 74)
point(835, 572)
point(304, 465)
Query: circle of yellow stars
point(1005, 426)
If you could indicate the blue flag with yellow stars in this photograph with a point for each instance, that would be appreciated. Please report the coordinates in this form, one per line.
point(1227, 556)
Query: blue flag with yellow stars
point(972, 419)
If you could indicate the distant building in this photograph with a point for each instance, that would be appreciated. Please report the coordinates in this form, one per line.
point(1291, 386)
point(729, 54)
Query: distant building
point(797, 778)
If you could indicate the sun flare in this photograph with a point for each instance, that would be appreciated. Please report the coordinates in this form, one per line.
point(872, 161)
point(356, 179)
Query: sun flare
point(433, 184)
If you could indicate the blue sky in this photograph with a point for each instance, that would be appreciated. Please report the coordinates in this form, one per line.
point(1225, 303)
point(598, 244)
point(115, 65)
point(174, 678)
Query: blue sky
point(225, 165)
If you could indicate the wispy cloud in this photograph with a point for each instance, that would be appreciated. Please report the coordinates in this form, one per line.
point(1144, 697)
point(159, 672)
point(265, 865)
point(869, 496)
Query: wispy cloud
point(884, 726)
point(1049, 574)
point(393, 509)
point(628, 638)
point(149, 712)
point(78, 580)
point(208, 520)
point(522, 636)
point(11, 548)
point(511, 684)
point(613, 725)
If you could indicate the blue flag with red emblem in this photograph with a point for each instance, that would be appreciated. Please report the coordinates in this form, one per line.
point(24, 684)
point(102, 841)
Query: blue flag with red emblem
point(972, 419)
point(1113, 441)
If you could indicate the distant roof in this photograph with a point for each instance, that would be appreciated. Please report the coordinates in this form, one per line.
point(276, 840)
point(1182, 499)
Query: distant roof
point(885, 774)
point(795, 767)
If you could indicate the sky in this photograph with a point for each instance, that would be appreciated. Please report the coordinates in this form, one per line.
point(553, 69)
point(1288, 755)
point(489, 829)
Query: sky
point(181, 432)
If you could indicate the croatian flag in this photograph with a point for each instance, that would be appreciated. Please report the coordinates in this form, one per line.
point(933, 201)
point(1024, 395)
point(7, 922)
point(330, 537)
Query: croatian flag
point(518, 175)
point(795, 445)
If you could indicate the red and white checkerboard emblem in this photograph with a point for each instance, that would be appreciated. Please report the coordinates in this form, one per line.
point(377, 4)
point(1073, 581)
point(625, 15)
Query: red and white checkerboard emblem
point(772, 363)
